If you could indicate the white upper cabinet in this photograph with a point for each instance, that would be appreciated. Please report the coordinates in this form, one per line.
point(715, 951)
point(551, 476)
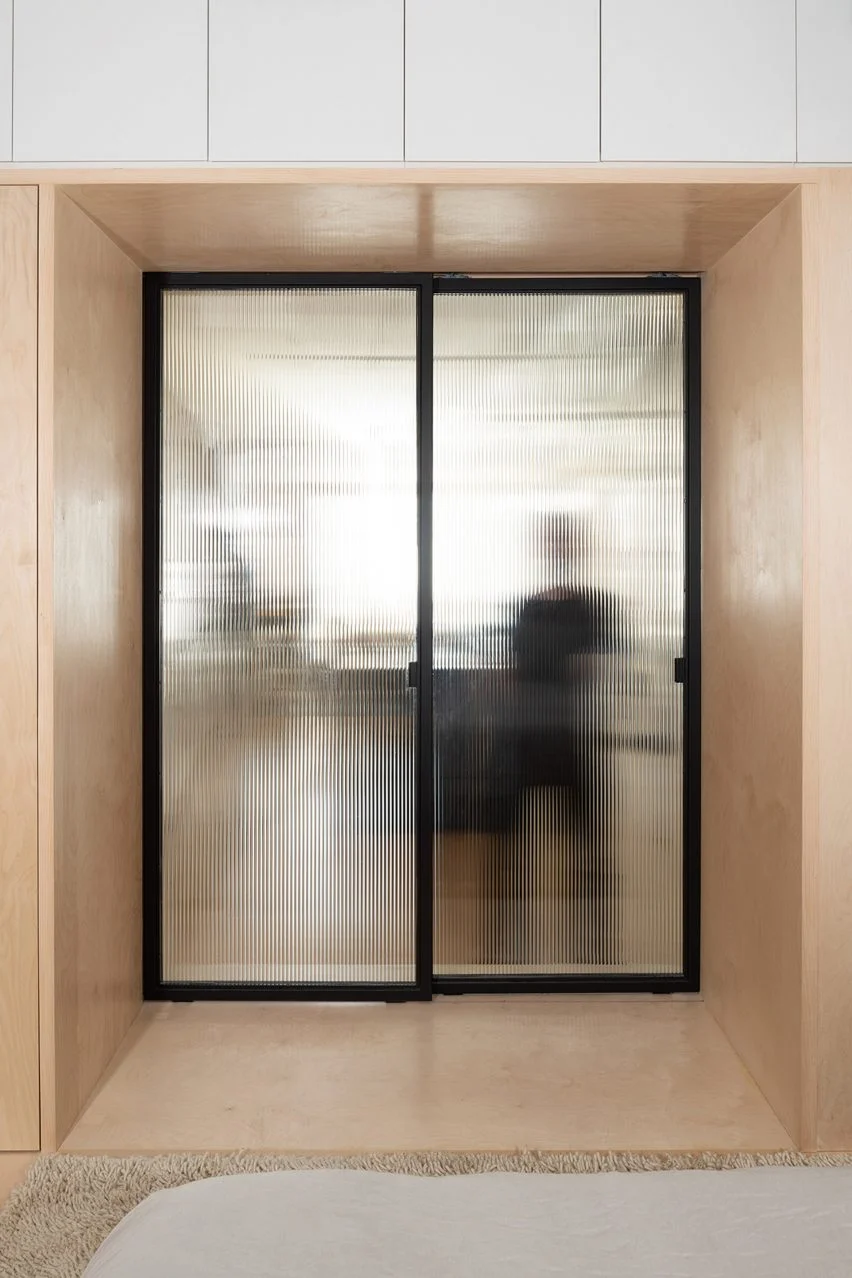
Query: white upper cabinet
point(306, 81)
point(825, 81)
point(5, 80)
point(469, 82)
point(698, 80)
point(501, 81)
point(110, 80)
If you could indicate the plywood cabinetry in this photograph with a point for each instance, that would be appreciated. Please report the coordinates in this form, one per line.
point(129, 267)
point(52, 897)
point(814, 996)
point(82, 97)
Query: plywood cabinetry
point(19, 1091)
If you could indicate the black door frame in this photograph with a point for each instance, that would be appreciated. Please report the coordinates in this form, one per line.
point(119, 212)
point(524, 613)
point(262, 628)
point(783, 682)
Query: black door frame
point(426, 984)
point(687, 981)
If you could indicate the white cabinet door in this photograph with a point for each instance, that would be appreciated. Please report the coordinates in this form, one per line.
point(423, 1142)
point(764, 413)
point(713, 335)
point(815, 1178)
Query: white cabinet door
point(110, 80)
point(497, 81)
point(306, 81)
point(698, 80)
point(825, 81)
point(5, 80)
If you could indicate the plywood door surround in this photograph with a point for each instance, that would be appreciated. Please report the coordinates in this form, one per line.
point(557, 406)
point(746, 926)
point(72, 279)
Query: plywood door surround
point(19, 1086)
point(752, 425)
point(827, 829)
point(777, 562)
point(430, 225)
point(94, 937)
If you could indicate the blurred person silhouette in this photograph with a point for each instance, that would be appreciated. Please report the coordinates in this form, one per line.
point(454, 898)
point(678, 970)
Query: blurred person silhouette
point(537, 726)
point(560, 637)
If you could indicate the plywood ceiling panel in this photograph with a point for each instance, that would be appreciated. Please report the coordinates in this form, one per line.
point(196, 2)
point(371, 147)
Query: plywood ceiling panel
point(446, 226)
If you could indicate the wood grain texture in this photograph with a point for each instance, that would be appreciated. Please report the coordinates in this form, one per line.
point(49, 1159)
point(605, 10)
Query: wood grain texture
point(97, 711)
point(46, 893)
point(547, 1072)
point(811, 397)
point(752, 653)
point(521, 175)
point(430, 226)
point(828, 664)
point(777, 921)
point(19, 1086)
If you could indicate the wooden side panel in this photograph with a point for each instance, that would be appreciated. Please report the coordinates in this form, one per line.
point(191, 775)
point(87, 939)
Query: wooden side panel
point(19, 1086)
point(97, 688)
point(828, 664)
point(46, 895)
point(752, 646)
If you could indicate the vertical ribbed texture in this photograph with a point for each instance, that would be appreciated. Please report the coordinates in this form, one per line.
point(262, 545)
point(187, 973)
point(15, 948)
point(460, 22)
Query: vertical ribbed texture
point(559, 613)
point(289, 609)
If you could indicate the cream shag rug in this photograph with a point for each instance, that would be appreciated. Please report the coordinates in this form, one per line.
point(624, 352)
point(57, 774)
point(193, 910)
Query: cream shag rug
point(54, 1222)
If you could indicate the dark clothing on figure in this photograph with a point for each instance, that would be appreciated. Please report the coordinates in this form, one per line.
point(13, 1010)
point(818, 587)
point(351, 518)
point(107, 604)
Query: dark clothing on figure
point(556, 743)
point(533, 728)
point(556, 635)
point(555, 626)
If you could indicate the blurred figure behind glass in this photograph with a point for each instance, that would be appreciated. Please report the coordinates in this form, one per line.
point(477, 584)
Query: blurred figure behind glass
point(559, 636)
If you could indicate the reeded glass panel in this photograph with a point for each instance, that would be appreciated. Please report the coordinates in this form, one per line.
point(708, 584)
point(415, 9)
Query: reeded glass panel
point(289, 608)
point(559, 613)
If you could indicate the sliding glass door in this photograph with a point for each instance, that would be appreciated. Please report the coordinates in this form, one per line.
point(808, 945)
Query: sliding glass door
point(421, 599)
point(287, 531)
point(559, 545)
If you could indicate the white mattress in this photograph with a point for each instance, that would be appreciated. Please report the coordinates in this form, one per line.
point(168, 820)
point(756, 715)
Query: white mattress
point(768, 1222)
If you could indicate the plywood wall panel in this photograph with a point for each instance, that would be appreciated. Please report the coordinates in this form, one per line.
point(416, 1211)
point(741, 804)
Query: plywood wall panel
point(97, 703)
point(19, 1086)
point(752, 652)
point(827, 831)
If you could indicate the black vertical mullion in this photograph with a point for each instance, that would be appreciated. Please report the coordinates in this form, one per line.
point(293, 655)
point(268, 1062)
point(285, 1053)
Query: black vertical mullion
point(692, 642)
point(152, 833)
point(424, 788)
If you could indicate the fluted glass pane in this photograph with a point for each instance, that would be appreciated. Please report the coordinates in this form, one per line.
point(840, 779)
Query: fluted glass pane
point(559, 613)
point(289, 608)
